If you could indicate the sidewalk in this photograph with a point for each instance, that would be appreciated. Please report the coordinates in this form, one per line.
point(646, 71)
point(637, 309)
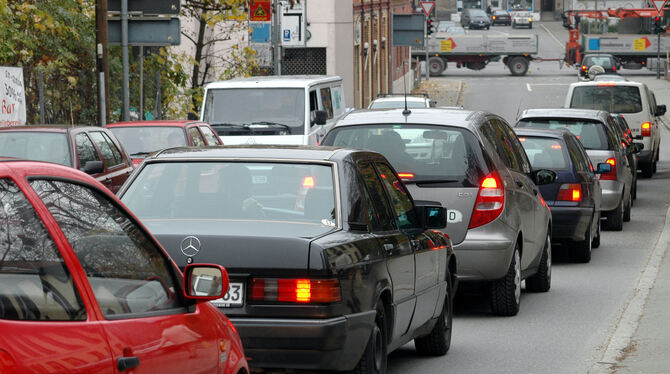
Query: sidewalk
point(446, 92)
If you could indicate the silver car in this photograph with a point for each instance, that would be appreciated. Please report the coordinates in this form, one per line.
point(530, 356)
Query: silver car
point(597, 133)
point(473, 164)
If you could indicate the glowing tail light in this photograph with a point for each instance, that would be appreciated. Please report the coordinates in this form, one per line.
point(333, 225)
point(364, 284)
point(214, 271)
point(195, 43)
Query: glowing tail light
point(295, 290)
point(646, 129)
point(583, 67)
point(490, 201)
point(570, 192)
point(612, 174)
point(405, 175)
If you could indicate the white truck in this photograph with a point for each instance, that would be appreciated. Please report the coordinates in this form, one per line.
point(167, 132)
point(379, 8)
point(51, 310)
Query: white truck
point(633, 50)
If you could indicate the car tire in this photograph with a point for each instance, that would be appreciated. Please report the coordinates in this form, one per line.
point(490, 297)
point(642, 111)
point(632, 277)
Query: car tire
point(626, 209)
point(647, 169)
point(518, 65)
point(435, 66)
point(374, 359)
point(487, 27)
point(634, 194)
point(438, 341)
point(506, 292)
point(653, 167)
point(581, 250)
point(541, 281)
point(615, 218)
point(596, 238)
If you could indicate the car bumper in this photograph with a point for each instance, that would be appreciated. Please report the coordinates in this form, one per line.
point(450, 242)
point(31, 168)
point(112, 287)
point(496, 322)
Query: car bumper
point(612, 191)
point(484, 255)
point(570, 222)
point(324, 344)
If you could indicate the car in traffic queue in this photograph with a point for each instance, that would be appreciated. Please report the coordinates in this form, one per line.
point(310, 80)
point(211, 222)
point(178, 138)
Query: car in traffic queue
point(574, 198)
point(522, 19)
point(93, 150)
point(501, 17)
point(87, 289)
point(631, 148)
point(332, 265)
point(473, 164)
point(608, 62)
point(386, 101)
point(475, 18)
point(141, 138)
point(596, 131)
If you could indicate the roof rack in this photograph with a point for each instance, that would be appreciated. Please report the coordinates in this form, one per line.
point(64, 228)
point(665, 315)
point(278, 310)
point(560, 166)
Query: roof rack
point(418, 94)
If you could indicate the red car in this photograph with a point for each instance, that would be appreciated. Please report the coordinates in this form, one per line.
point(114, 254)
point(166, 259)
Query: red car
point(141, 138)
point(87, 289)
point(93, 150)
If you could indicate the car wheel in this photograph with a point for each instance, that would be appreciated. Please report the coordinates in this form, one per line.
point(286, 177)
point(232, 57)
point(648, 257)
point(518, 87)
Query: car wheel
point(374, 357)
point(506, 292)
point(647, 169)
point(626, 209)
point(596, 238)
point(581, 250)
point(438, 341)
point(530, 26)
point(615, 218)
point(487, 27)
point(541, 281)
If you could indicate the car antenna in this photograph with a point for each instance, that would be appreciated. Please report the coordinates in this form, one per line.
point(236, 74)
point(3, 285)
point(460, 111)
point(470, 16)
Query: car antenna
point(406, 112)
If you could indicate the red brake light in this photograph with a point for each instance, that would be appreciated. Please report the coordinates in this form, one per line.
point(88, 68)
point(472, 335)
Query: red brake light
point(583, 67)
point(612, 174)
point(613, 68)
point(295, 290)
point(570, 192)
point(308, 182)
point(490, 201)
point(406, 175)
point(646, 129)
point(607, 84)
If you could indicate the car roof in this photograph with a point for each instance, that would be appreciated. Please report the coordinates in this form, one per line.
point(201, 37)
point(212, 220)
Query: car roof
point(47, 128)
point(611, 83)
point(426, 116)
point(258, 151)
point(613, 77)
point(274, 81)
point(153, 123)
point(592, 114)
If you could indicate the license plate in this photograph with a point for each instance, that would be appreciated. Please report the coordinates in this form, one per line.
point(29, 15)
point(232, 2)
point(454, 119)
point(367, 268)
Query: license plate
point(234, 297)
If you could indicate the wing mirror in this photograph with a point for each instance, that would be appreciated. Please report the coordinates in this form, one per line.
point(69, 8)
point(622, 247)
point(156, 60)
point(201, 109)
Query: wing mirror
point(93, 167)
point(603, 168)
point(544, 176)
point(320, 117)
point(660, 110)
point(636, 147)
point(205, 282)
point(431, 215)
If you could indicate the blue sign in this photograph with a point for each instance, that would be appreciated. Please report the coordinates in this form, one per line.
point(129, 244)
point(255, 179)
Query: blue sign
point(594, 44)
point(260, 32)
point(287, 35)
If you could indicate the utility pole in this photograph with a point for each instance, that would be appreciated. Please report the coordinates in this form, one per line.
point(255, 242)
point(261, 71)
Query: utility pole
point(125, 108)
point(275, 37)
point(102, 61)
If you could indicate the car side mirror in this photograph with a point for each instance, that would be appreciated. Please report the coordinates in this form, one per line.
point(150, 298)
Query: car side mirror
point(544, 176)
point(603, 168)
point(638, 137)
point(320, 117)
point(660, 110)
point(205, 282)
point(93, 167)
point(431, 216)
point(636, 147)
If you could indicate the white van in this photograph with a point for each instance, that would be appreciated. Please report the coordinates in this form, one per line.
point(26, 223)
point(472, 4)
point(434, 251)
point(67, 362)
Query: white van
point(638, 105)
point(289, 109)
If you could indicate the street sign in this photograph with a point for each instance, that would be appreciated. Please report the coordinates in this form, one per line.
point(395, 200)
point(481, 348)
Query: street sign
point(146, 31)
point(259, 11)
point(427, 7)
point(408, 30)
point(146, 6)
point(292, 25)
point(659, 4)
point(12, 97)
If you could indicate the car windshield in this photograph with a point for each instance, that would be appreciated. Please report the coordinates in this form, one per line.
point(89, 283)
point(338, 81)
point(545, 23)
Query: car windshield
point(421, 152)
point(544, 153)
point(258, 198)
point(34, 145)
point(590, 133)
point(609, 97)
point(138, 140)
point(400, 103)
point(280, 106)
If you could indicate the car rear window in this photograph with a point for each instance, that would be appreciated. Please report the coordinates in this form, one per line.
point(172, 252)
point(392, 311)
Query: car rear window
point(420, 153)
point(545, 153)
point(604, 61)
point(608, 97)
point(142, 140)
point(591, 134)
point(38, 146)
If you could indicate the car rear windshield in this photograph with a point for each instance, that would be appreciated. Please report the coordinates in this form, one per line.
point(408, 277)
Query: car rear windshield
point(545, 153)
point(260, 194)
point(34, 145)
point(611, 98)
point(604, 61)
point(139, 140)
point(591, 134)
point(424, 153)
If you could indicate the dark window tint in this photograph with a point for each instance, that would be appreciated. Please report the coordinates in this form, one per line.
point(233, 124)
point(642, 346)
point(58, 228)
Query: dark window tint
point(36, 285)
point(591, 134)
point(378, 198)
point(85, 150)
point(197, 138)
point(110, 154)
point(400, 200)
point(128, 273)
point(545, 153)
point(499, 139)
point(606, 62)
point(611, 98)
point(212, 139)
point(580, 160)
point(517, 149)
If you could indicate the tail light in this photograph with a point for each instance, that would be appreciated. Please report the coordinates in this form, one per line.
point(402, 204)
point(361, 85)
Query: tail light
point(583, 67)
point(405, 175)
point(613, 68)
point(646, 129)
point(612, 174)
point(494, 17)
point(570, 192)
point(295, 290)
point(490, 201)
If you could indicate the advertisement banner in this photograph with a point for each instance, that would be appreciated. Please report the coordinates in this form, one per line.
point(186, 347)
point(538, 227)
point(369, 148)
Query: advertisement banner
point(12, 97)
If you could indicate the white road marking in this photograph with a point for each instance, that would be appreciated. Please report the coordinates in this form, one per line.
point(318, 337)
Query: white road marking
point(552, 36)
point(528, 86)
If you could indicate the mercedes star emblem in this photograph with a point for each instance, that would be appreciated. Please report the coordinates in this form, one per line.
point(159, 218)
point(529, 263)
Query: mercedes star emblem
point(190, 246)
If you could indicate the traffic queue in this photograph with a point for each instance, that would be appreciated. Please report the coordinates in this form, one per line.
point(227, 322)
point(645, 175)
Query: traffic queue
point(324, 241)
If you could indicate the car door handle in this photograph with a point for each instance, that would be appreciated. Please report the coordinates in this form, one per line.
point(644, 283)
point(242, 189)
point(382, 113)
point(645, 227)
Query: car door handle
point(388, 248)
point(125, 363)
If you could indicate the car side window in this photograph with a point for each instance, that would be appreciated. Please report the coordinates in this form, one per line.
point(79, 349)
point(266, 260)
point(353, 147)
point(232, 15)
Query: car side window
point(612, 137)
point(576, 156)
point(497, 137)
point(210, 136)
point(519, 152)
point(326, 102)
point(400, 200)
point(198, 141)
point(375, 189)
point(127, 271)
point(36, 283)
point(85, 149)
point(110, 154)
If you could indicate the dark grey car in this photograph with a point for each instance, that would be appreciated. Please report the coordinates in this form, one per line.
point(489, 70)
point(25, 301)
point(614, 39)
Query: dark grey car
point(473, 164)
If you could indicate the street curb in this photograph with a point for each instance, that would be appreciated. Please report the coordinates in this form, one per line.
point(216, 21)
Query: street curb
point(551, 34)
point(459, 98)
point(629, 320)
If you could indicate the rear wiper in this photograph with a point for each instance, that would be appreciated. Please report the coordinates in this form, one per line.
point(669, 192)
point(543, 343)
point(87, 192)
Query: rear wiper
point(267, 123)
point(235, 125)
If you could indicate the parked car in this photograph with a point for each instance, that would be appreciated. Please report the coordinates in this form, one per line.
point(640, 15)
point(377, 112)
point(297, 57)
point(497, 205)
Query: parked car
point(522, 19)
point(501, 17)
point(475, 18)
point(473, 164)
point(325, 247)
point(141, 138)
point(638, 105)
point(87, 289)
point(596, 131)
point(93, 150)
point(574, 198)
point(609, 63)
point(386, 101)
point(631, 148)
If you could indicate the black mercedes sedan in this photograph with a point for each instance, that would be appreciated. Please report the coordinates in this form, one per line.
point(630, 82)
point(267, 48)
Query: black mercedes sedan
point(332, 264)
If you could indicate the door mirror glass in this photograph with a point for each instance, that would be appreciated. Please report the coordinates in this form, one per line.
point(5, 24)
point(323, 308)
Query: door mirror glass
point(636, 147)
point(544, 176)
point(320, 117)
point(93, 167)
point(660, 110)
point(604, 168)
point(205, 282)
point(432, 216)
